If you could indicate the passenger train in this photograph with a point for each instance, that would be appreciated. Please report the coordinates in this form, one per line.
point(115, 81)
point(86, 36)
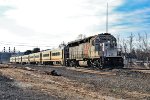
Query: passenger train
point(94, 51)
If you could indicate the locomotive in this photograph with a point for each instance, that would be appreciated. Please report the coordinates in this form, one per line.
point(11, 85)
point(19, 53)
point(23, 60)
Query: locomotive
point(94, 51)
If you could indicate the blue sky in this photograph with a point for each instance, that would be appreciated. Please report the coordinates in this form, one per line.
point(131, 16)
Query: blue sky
point(3, 9)
point(46, 23)
point(135, 14)
point(133, 5)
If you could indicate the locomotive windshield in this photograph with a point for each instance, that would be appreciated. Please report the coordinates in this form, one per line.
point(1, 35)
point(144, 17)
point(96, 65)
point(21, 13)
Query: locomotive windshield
point(106, 37)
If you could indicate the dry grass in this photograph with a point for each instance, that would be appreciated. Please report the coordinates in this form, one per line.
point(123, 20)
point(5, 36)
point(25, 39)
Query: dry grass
point(53, 85)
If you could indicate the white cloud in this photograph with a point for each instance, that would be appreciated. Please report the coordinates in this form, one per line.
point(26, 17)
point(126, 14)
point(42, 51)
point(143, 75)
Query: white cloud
point(50, 22)
point(135, 21)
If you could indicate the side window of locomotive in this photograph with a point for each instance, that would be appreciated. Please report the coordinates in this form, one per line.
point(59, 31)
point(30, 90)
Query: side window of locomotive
point(97, 47)
point(96, 41)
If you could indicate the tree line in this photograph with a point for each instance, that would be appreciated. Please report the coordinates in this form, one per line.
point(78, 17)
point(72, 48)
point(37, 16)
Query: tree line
point(35, 50)
point(135, 46)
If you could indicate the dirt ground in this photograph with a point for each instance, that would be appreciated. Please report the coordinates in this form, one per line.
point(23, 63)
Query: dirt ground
point(73, 84)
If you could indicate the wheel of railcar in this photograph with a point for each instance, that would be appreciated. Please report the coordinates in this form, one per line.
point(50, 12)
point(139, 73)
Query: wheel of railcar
point(70, 64)
point(100, 64)
point(74, 63)
point(89, 63)
point(92, 64)
point(96, 64)
point(77, 64)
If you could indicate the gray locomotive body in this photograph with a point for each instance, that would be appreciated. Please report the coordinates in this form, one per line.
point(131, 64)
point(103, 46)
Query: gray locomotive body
point(95, 51)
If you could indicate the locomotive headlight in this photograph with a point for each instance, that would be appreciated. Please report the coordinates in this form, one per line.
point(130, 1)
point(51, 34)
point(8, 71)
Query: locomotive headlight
point(113, 42)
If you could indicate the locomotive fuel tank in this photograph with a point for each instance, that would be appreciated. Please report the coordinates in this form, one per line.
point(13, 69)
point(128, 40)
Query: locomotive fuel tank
point(83, 63)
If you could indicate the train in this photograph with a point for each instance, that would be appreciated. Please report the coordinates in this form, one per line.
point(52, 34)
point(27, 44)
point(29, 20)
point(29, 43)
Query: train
point(94, 51)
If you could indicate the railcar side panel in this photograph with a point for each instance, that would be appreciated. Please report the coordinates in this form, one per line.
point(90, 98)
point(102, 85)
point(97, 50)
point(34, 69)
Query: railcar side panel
point(25, 59)
point(38, 57)
point(46, 57)
point(31, 58)
point(57, 56)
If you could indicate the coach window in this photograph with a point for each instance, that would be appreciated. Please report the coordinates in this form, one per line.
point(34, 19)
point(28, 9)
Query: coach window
point(53, 54)
point(37, 56)
point(31, 56)
point(45, 55)
point(56, 54)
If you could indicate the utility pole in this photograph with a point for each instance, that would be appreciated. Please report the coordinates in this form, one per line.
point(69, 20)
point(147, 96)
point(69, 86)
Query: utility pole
point(107, 19)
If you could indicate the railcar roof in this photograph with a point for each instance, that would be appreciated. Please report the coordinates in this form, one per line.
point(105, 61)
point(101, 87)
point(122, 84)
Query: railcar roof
point(81, 40)
point(85, 39)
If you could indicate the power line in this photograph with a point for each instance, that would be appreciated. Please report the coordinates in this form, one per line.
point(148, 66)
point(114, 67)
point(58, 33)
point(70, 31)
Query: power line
point(26, 45)
point(11, 43)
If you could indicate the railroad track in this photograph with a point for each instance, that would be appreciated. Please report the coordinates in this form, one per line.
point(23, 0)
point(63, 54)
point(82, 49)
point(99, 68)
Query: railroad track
point(87, 73)
point(84, 69)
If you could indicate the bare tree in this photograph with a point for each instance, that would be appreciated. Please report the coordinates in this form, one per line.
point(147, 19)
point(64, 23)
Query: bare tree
point(131, 42)
point(118, 41)
point(130, 48)
point(124, 46)
point(135, 47)
point(145, 43)
point(62, 45)
point(145, 48)
point(139, 45)
point(81, 36)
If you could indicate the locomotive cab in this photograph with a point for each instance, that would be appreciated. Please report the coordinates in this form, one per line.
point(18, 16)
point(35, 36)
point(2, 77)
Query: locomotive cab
point(109, 49)
point(110, 55)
